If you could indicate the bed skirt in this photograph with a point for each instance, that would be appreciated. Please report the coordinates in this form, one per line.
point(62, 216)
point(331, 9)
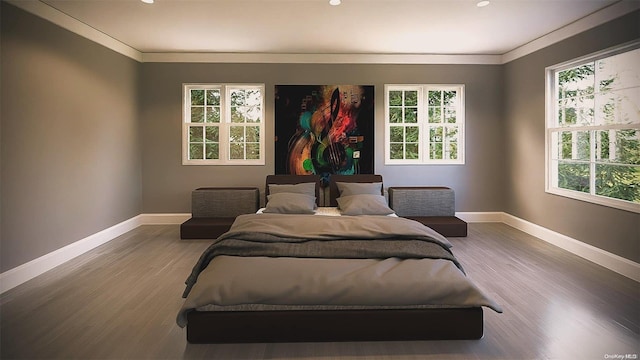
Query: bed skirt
point(334, 325)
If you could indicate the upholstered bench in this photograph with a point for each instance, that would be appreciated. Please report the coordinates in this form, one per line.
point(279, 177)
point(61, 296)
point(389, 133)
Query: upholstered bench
point(432, 206)
point(213, 210)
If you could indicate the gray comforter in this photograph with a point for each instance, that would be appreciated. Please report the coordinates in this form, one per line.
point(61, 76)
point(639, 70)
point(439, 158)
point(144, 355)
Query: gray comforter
point(311, 261)
point(345, 237)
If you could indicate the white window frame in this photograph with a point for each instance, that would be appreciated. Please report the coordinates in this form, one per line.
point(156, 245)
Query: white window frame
point(224, 124)
point(424, 125)
point(551, 147)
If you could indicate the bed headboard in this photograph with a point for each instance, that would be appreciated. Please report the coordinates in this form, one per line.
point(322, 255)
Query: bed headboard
point(357, 178)
point(292, 179)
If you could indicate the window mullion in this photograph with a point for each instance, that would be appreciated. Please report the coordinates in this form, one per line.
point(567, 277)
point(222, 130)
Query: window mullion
point(592, 162)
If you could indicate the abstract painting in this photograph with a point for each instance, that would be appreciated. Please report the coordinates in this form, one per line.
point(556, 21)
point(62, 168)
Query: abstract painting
point(324, 129)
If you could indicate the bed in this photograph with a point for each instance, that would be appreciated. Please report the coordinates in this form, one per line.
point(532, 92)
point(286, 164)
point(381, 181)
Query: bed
point(288, 274)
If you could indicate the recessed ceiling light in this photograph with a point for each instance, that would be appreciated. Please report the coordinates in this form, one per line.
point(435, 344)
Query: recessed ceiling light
point(335, 2)
point(147, 1)
point(482, 3)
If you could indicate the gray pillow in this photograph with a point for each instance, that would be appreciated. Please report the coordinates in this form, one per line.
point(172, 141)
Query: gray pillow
point(302, 188)
point(290, 203)
point(347, 189)
point(363, 204)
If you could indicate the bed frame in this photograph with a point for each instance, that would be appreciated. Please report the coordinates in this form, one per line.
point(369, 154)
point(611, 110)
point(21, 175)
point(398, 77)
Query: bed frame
point(333, 325)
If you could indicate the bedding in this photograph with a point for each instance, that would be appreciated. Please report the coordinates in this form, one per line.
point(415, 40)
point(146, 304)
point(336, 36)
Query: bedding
point(325, 276)
point(346, 188)
point(363, 204)
point(360, 261)
point(290, 203)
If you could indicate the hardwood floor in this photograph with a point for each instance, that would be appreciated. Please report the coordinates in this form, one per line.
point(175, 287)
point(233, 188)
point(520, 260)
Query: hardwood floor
point(119, 301)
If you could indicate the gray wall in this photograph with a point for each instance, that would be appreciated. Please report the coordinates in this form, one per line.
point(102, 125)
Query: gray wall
point(70, 152)
point(90, 138)
point(167, 183)
point(613, 230)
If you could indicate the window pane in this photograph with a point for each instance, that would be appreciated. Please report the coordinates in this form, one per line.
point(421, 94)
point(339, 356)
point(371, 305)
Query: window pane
point(435, 115)
point(411, 115)
point(213, 97)
point(395, 98)
point(253, 133)
point(396, 151)
point(253, 98)
point(212, 134)
point(411, 98)
point(197, 97)
point(452, 134)
point(236, 134)
point(573, 176)
point(195, 151)
point(412, 151)
point(195, 134)
point(619, 182)
point(435, 151)
point(566, 145)
point(576, 81)
point(236, 151)
point(619, 146)
point(213, 114)
point(435, 134)
point(213, 151)
point(450, 115)
point(449, 98)
point(435, 98)
point(237, 97)
point(412, 134)
point(253, 151)
point(618, 107)
point(452, 151)
point(197, 114)
point(237, 116)
point(621, 71)
point(583, 146)
point(395, 115)
point(396, 134)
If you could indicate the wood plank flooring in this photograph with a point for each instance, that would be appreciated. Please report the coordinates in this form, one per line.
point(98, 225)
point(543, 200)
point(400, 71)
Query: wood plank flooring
point(119, 301)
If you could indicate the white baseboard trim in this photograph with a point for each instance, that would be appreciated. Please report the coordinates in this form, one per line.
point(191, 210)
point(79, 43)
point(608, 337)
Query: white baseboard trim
point(596, 255)
point(25, 272)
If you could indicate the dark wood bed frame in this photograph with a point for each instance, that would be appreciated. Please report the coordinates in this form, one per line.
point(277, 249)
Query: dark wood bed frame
point(333, 325)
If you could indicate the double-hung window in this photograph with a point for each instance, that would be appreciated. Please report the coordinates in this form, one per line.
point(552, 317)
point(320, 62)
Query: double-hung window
point(424, 124)
point(223, 124)
point(593, 128)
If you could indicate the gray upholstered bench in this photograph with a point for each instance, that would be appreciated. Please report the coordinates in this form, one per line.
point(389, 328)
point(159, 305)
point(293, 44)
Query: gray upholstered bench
point(432, 206)
point(213, 210)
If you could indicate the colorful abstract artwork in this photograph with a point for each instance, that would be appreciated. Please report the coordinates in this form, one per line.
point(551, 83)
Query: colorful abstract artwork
point(324, 129)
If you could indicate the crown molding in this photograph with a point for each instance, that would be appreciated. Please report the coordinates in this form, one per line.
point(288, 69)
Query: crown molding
point(600, 17)
point(67, 22)
point(271, 58)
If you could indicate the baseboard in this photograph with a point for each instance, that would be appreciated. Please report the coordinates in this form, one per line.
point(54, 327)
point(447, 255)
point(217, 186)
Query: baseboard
point(596, 255)
point(25, 272)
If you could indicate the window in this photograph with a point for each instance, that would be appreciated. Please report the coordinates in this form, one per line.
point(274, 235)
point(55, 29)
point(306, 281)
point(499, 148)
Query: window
point(424, 124)
point(223, 124)
point(593, 128)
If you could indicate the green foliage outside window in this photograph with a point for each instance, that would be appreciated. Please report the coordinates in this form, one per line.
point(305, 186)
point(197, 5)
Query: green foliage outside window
point(615, 164)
